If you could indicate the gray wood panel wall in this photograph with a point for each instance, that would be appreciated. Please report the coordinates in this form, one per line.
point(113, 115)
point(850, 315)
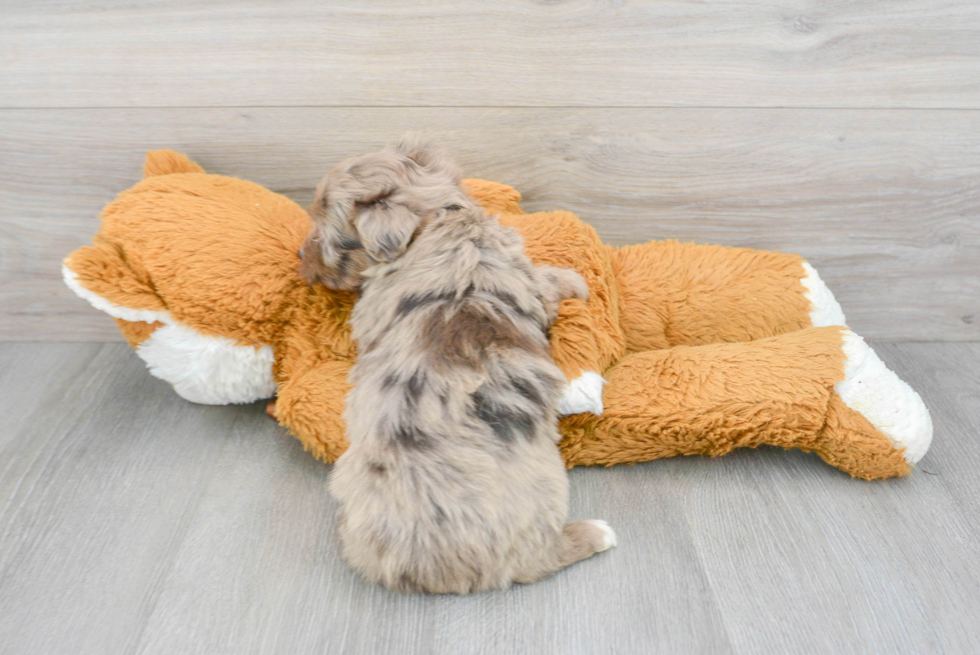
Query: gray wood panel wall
point(847, 132)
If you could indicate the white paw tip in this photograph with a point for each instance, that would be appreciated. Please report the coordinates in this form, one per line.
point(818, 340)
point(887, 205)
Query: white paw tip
point(583, 394)
point(608, 535)
point(887, 401)
point(824, 308)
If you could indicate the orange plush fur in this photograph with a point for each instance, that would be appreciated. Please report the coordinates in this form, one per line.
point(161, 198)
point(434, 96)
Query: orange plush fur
point(704, 349)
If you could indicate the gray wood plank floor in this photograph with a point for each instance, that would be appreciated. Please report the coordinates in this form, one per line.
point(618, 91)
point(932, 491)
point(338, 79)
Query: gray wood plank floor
point(134, 522)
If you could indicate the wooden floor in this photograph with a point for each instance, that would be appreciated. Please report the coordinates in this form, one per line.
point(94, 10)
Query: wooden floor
point(134, 522)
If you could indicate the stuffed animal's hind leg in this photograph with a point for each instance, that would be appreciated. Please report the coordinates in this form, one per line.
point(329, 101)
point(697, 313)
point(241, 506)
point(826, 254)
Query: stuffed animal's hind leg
point(674, 294)
point(820, 389)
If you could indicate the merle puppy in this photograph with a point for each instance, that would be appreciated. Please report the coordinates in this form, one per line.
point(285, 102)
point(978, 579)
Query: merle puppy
point(453, 481)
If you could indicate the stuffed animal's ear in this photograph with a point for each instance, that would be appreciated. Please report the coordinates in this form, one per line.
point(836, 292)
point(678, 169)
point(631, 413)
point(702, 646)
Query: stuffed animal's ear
point(166, 162)
point(386, 229)
point(101, 275)
point(494, 197)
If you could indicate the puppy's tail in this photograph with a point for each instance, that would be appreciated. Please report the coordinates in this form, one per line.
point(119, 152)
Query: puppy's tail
point(166, 162)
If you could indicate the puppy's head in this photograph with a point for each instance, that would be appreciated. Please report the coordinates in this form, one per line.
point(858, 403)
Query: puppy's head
point(369, 209)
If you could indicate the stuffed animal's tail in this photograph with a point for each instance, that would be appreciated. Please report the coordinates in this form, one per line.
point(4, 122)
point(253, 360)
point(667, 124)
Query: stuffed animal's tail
point(165, 162)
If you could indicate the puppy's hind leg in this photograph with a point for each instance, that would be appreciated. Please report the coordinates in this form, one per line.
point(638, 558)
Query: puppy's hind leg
point(579, 540)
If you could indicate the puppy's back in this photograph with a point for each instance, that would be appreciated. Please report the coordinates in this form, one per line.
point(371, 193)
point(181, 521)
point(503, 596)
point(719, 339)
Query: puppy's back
point(453, 481)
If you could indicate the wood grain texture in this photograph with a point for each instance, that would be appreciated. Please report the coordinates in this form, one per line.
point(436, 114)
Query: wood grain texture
point(134, 522)
point(876, 568)
point(877, 53)
point(94, 493)
point(886, 204)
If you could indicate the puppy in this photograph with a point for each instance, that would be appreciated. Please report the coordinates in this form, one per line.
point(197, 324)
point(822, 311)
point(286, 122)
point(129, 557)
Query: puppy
point(453, 482)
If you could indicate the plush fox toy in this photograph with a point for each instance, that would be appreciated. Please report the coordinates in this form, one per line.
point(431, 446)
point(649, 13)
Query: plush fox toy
point(681, 349)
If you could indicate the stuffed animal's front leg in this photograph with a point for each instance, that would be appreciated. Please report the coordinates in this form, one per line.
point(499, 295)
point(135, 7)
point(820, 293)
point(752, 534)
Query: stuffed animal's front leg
point(820, 389)
point(311, 405)
point(573, 342)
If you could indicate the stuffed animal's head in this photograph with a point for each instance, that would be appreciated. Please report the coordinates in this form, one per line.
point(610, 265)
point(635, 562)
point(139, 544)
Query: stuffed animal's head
point(200, 271)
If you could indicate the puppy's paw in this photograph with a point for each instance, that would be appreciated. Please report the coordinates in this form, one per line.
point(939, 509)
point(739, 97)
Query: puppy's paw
point(565, 282)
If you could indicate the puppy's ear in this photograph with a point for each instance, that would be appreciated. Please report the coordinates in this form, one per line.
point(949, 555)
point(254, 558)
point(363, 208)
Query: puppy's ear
point(386, 230)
